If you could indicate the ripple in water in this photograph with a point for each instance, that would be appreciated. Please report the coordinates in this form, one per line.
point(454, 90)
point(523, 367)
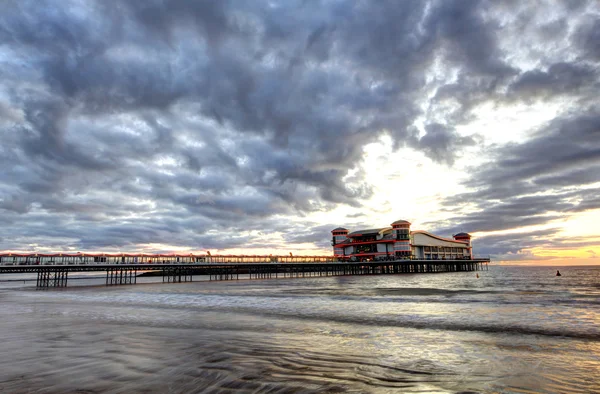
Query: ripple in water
point(512, 330)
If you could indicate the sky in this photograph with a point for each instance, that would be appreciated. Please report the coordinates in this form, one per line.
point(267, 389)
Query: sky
point(256, 127)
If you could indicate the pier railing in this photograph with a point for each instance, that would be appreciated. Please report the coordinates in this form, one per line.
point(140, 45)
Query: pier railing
point(12, 259)
point(144, 258)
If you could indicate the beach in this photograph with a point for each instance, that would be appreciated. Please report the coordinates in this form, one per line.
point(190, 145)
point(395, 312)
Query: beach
point(513, 329)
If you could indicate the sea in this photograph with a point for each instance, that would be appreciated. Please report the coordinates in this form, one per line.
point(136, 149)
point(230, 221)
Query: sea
point(508, 329)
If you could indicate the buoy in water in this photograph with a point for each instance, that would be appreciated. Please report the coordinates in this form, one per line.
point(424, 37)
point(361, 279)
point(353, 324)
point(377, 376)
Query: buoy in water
point(558, 273)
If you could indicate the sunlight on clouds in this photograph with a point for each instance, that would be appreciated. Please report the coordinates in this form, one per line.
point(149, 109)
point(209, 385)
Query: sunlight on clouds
point(582, 224)
point(297, 249)
point(584, 252)
point(519, 230)
point(154, 247)
point(406, 185)
point(166, 161)
point(501, 124)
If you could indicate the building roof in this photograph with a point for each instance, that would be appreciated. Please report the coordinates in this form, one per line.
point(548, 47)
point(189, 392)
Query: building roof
point(370, 231)
point(462, 235)
point(339, 229)
point(401, 222)
point(438, 237)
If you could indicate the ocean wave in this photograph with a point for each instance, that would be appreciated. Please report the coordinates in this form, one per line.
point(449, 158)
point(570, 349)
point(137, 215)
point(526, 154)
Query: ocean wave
point(395, 321)
point(453, 326)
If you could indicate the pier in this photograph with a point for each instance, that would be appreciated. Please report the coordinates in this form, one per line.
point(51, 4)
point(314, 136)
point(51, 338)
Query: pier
point(53, 270)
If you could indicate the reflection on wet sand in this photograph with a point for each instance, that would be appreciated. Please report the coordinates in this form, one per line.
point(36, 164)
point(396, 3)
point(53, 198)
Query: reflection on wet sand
point(371, 334)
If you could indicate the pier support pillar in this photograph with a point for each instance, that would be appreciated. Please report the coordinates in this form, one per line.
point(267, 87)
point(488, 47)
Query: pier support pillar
point(121, 276)
point(49, 277)
point(177, 275)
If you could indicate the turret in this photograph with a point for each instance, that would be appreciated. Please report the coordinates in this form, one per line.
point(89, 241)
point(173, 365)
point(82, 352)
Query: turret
point(401, 235)
point(463, 237)
point(339, 234)
point(466, 238)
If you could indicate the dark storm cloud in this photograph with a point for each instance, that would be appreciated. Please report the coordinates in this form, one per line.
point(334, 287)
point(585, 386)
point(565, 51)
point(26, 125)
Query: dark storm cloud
point(588, 37)
point(470, 40)
point(442, 144)
point(208, 18)
point(560, 78)
point(118, 117)
point(319, 234)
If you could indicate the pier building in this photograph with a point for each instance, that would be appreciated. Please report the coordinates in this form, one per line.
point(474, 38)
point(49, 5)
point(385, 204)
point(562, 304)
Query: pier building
point(398, 242)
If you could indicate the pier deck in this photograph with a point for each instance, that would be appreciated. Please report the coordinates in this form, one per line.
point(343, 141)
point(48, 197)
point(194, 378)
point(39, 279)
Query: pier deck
point(126, 274)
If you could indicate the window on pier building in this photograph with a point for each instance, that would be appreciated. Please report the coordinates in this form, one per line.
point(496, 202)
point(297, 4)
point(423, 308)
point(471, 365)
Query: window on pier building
point(364, 249)
point(402, 234)
point(363, 239)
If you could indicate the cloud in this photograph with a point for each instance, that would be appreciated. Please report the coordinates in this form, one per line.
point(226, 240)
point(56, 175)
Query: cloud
point(558, 79)
point(588, 38)
point(442, 144)
point(118, 119)
point(536, 182)
point(512, 244)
